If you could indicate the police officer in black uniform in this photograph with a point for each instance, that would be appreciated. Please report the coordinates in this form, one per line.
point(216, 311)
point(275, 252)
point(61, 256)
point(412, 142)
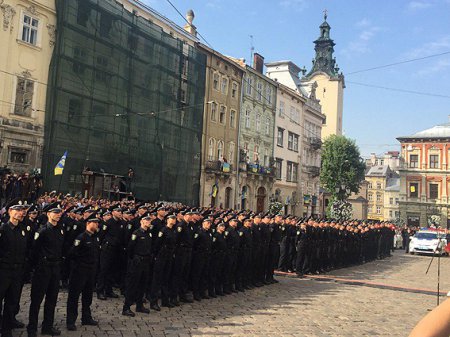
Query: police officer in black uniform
point(200, 260)
point(83, 256)
point(47, 258)
point(233, 242)
point(139, 252)
point(13, 251)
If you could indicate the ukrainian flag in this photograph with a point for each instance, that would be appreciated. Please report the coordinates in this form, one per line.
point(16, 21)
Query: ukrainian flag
point(60, 166)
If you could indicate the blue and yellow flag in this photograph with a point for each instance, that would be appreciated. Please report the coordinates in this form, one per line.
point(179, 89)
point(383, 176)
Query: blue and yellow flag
point(60, 166)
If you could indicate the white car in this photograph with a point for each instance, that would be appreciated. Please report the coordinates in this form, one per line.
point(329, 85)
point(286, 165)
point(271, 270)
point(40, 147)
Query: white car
point(426, 242)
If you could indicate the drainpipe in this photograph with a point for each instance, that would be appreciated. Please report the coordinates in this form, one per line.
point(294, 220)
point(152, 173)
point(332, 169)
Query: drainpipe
point(236, 193)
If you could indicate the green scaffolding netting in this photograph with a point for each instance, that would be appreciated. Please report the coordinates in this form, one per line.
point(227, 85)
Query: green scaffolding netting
point(122, 94)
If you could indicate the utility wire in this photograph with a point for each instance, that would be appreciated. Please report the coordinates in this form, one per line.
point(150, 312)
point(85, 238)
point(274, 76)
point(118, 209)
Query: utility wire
point(397, 63)
point(399, 90)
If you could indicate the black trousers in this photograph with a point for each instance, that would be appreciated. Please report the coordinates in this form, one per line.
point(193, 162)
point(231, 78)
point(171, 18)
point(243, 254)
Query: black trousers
point(81, 282)
point(200, 262)
point(45, 283)
point(162, 269)
point(272, 260)
point(108, 261)
point(137, 279)
point(179, 282)
point(10, 291)
point(230, 270)
point(301, 259)
point(284, 254)
point(216, 272)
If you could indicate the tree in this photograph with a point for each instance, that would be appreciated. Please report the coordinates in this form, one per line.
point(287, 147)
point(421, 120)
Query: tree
point(342, 168)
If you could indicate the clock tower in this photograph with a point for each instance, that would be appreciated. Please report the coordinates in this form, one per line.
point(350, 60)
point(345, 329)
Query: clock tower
point(329, 84)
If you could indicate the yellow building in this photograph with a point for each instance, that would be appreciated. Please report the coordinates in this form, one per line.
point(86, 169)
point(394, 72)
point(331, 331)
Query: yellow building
point(378, 179)
point(328, 83)
point(27, 37)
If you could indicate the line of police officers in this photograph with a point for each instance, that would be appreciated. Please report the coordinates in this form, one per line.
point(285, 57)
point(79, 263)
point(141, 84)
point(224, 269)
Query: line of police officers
point(161, 255)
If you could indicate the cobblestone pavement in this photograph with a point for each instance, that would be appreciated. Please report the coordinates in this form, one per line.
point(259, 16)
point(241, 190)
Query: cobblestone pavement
point(294, 307)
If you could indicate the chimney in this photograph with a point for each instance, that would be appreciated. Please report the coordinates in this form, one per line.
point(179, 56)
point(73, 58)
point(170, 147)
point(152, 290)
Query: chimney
point(189, 27)
point(258, 63)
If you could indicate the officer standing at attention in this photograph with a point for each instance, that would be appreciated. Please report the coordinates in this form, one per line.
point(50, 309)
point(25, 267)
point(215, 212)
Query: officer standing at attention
point(139, 252)
point(200, 260)
point(47, 257)
point(13, 250)
point(83, 256)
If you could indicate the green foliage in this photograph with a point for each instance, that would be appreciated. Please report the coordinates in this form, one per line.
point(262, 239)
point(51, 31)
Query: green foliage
point(342, 168)
point(341, 210)
point(275, 207)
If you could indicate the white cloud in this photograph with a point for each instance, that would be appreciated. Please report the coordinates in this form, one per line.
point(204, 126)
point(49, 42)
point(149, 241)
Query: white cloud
point(440, 45)
point(297, 5)
point(361, 44)
point(418, 5)
point(214, 4)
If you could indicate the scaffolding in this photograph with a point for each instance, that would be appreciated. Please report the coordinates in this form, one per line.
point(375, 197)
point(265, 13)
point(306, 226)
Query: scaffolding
point(123, 94)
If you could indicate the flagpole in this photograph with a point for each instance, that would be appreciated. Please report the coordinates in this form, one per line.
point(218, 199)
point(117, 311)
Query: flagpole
point(59, 184)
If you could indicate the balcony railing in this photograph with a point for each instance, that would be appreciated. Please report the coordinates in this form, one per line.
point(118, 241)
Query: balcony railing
point(315, 142)
point(314, 171)
point(258, 169)
point(218, 166)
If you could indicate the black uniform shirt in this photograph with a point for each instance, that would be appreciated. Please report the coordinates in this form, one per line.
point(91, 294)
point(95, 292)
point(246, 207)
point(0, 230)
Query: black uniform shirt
point(140, 243)
point(48, 243)
point(85, 251)
point(13, 245)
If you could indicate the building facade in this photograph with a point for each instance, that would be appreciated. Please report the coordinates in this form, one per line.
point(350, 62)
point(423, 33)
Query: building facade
point(377, 178)
point(391, 200)
point(390, 158)
point(220, 130)
point(424, 177)
point(326, 81)
point(27, 39)
point(256, 174)
point(127, 101)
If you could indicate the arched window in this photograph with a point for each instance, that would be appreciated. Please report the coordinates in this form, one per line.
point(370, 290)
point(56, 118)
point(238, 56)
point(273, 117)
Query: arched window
point(231, 153)
point(247, 119)
point(220, 150)
point(258, 122)
point(211, 149)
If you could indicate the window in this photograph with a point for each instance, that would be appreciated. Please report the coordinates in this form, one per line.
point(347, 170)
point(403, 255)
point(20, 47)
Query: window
point(269, 95)
point(83, 13)
point(211, 149)
point(414, 160)
point(256, 154)
point(390, 214)
point(267, 126)
point(234, 90)
point(258, 122)
point(106, 22)
point(397, 214)
point(232, 119)
point(224, 85)
point(213, 111)
point(30, 29)
point(223, 114)
point(370, 185)
point(24, 97)
point(378, 197)
point(216, 81)
point(434, 161)
point(292, 141)
point(370, 196)
point(378, 186)
point(266, 157)
point(414, 190)
point(378, 210)
point(247, 119)
point(292, 169)
point(281, 110)
point(280, 137)
point(249, 86)
point(391, 201)
point(74, 108)
point(396, 201)
point(278, 167)
point(434, 190)
point(259, 91)
point(220, 150)
point(18, 156)
point(292, 113)
point(369, 209)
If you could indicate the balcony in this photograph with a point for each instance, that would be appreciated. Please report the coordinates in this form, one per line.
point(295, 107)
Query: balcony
point(314, 171)
point(262, 170)
point(216, 166)
point(315, 142)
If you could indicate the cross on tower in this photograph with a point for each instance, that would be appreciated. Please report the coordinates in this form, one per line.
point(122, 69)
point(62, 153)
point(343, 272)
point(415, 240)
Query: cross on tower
point(325, 14)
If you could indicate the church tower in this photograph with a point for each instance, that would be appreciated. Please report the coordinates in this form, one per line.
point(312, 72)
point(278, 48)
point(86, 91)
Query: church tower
point(325, 82)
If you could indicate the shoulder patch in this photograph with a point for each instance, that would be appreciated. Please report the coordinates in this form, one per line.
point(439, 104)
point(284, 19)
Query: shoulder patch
point(179, 229)
point(226, 233)
point(23, 233)
point(75, 227)
point(104, 227)
point(214, 239)
point(283, 228)
point(133, 237)
point(62, 232)
point(36, 235)
point(160, 234)
point(130, 226)
point(298, 232)
point(240, 233)
point(195, 236)
point(76, 243)
point(150, 234)
point(28, 228)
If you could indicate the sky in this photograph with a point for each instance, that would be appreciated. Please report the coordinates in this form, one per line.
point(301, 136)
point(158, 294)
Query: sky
point(367, 34)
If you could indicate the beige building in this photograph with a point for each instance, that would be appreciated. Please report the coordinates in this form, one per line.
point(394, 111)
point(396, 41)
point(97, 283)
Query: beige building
point(390, 158)
point(425, 177)
point(220, 130)
point(391, 199)
point(378, 179)
point(27, 37)
point(328, 84)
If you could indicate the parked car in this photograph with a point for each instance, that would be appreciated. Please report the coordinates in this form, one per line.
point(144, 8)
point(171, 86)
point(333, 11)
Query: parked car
point(429, 242)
